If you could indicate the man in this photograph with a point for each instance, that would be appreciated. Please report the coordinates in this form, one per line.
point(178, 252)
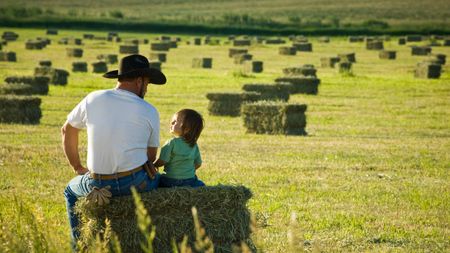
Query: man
point(123, 136)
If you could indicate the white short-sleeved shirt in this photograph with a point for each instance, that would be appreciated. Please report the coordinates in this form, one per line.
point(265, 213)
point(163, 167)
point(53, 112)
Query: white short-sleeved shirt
point(120, 126)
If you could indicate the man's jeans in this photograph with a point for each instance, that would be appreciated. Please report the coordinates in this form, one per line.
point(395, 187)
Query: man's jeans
point(80, 186)
point(171, 182)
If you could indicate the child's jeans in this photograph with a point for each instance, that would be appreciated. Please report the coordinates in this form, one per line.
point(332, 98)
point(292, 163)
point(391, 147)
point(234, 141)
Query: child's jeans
point(172, 182)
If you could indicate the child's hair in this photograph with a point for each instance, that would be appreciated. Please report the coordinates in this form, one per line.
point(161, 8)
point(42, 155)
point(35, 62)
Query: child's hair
point(192, 125)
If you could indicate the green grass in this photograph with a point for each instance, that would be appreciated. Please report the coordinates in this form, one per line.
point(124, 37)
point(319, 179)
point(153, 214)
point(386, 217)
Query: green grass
point(372, 175)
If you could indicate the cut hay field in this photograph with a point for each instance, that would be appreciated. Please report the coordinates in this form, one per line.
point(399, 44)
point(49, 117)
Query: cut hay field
point(372, 175)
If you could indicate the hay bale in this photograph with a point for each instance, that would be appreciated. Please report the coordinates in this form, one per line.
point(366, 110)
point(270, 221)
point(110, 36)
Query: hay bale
point(159, 46)
point(45, 63)
point(229, 104)
point(324, 39)
point(301, 84)
point(8, 56)
point(164, 38)
point(20, 109)
point(52, 32)
point(344, 67)
point(439, 58)
point(96, 37)
point(287, 51)
point(16, 89)
point(10, 36)
point(270, 91)
point(88, 36)
point(173, 44)
point(274, 41)
point(303, 46)
point(350, 57)
point(108, 58)
point(240, 58)
point(374, 45)
point(402, 41)
point(268, 117)
point(74, 52)
point(222, 211)
point(38, 84)
point(305, 70)
point(79, 66)
point(155, 65)
point(159, 56)
point(205, 63)
point(56, 76)
point(99, 67)
point(387, 54)
point(414, 38)
point(428, 70)
point(420, 50)
point(35, 44)
point(353, 39)
point(254, 66)
point(128, 49)
point(132, 41)
point(241, 42)
point(328, 62)
point(196, 41)
point(234, 51)
point(446, 42)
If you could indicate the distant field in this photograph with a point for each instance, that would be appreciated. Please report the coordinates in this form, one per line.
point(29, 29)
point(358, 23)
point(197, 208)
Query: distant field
point(295, 14)
point(371, 176)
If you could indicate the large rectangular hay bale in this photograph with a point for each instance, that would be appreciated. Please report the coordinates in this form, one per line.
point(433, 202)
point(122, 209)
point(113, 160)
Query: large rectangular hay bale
point(57, 76)
point(16, 89)
point(402, 41)
point(274, 41)
point(302, 84)
point(353, 39)
point(20, 109)
point(344, 67)
point(10, 36)
point(205, 63)
point(79, 66)
point(159, 46)
point(52, 32)
point(229, 104)
point(222, 211)
point(305, 70)
point(128, 49)
point(234, 51)
point(414, 38)
point(374, 45)
point(388, 54)
point(35, 44)
point(328, 62)
point(241, 42)
point(428, 70)
point(303, 46)
point(8, 56)
point(420, 50)
point(349, 57)
point(240, 58)
point(287, 51)
point(39, 84)
point(268, 117)
point(158, 56)
point(74, 52)
point(155, 64)
point(269, 91)
point(253, 66)
point(99, 67)
point(108, 58)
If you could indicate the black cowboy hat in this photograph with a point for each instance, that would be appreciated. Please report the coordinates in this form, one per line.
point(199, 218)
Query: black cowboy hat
point(136, 65)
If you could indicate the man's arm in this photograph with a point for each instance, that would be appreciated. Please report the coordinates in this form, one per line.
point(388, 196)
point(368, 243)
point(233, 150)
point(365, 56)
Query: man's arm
point(151, 155)
point(69, 136)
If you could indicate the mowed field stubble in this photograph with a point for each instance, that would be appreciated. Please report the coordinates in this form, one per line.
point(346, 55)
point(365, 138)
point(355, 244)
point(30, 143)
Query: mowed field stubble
point(371, 175)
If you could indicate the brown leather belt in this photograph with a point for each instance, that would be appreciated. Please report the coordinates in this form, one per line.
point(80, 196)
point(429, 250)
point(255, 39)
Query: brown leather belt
point(115, 176)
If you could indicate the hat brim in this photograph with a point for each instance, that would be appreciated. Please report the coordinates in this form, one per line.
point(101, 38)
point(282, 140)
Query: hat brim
point(155, 76)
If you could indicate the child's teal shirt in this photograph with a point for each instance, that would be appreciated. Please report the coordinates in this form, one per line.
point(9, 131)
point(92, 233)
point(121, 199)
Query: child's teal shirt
point(180, 158)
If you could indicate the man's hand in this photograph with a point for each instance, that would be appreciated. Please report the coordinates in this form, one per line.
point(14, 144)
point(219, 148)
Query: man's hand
point(80, 170)
point(150, 169)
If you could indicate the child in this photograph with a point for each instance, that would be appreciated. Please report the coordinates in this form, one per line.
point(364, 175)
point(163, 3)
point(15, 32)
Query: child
point(180, 155)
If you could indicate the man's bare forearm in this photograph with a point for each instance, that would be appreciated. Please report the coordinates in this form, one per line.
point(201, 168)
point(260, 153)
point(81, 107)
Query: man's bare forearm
point(69, 136)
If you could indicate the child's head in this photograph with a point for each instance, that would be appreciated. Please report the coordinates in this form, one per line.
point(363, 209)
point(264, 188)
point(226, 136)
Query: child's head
point(187, 124)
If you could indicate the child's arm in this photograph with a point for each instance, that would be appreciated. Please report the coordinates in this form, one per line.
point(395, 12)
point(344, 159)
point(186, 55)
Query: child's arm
point(197, 166)
point(159, 163)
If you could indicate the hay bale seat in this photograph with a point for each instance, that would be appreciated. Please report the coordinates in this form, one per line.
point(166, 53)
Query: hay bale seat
point(222, 211)
point(305, 70)
point(328, 62)
point(99, 67)
point(428, 70)
point(20, 109)
point(388, 54)
point(241, 58)
point(129, 49)
point(287, 51)
point(350, 57)
point(374, 45)
point(79, 66)
point(229, 104)
point(108, 58)
point(205, 63)
point(234, 51)
point(57, 76)
point(74, 52)
point(303, 46)
point(277, 91)
point(253, 66)
point(268, 117)
point(159, 56)
point(301, 84)
point(420, 50)
point(38, 84)
point(8, 56)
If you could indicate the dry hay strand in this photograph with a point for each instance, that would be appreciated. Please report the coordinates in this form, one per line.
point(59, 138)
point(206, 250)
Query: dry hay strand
point(269, 117)
point(79, 66)
point(20, 109)
point(388, 54)
point(301, 84)
point(222, 211)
